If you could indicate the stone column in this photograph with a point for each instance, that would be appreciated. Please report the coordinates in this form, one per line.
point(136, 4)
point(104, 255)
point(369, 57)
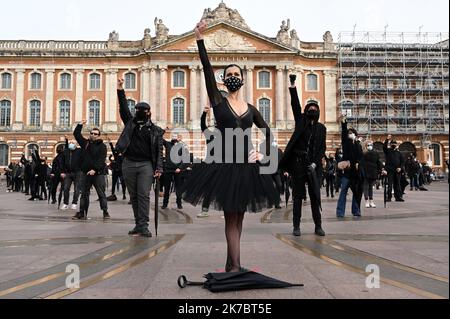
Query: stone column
point(145, 84)
point(163, 96)
point(330, 108)
point(153, 101)
point(79, 103)
point(249, 84)
point(49, 84)
point(280, 94)
point(193, 97)
point(20, 88)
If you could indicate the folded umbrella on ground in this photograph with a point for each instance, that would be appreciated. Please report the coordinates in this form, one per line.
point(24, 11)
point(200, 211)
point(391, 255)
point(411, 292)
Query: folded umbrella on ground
point(246, 280)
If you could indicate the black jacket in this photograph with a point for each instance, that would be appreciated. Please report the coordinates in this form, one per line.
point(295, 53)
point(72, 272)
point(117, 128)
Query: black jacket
point(57, 165)
point(93, 154)
point(371, 165)
point(412, 166)
point(352, 151)
point(170, 166)
point(394, 159)
point(72, 161)
point(156, 142)
point(319, 147)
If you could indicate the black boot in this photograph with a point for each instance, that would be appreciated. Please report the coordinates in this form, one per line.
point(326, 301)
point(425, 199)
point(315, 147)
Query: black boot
point(319, 231)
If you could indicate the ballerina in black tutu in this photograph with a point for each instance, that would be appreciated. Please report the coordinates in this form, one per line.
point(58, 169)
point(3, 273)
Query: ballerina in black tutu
point(231, 186)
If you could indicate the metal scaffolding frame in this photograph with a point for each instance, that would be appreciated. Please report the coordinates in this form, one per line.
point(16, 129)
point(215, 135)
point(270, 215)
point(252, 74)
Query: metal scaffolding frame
point(394, 83)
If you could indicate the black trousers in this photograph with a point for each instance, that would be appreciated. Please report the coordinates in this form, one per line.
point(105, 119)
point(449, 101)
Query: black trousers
point(394, 182)
point(330, 179)
point(55, 181)
point(86, 183)
point(116, 176)
point(170, 178)
point(300, 180)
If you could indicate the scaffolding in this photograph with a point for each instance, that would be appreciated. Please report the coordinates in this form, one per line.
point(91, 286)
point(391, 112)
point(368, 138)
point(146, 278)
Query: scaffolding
point(394, 83)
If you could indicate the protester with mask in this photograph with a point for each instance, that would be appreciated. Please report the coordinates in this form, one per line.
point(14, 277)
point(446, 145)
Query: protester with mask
point(141, 144)
point(92, 170)
point(71, 174)
point(330, 175)
point(371, 168)
point(412, 168)
point(303, 159)
point(55, 174)
point(394, 167)
point(350, 167)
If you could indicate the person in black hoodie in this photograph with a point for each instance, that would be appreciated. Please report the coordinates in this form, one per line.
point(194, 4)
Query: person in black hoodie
point(116, 160)
point(71, 173)
point(55, 174)
point(412, 168)
point(92, 170)
point(351, 175)
point(142, 147)
point(394, 167)
point(173, 173)
point(303, 159)
point(330, 175)
point(371, 168)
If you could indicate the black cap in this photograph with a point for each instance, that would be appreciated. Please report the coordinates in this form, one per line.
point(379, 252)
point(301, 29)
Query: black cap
point(142, 105)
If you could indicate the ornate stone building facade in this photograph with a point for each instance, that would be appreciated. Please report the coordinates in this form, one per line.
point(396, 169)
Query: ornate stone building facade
point(47, 87)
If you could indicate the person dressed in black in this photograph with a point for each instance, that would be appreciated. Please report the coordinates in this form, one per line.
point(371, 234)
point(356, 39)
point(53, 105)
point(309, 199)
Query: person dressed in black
point(55, 174)
point(394, 166)
point(412, 168)
point(173, 172)
point(116, 161)
point(330, 175)
point(92, 170)
point(303, 159)
point(236, 184)
point(141, 144)
point(39, 175)
point(351, 176)
point(371, 169)
point(71, 174)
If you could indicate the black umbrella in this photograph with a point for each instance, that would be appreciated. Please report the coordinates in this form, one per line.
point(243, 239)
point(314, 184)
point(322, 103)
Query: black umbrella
point(61, 190)
point(246, 280)
point(156, 204)
point(386, 189)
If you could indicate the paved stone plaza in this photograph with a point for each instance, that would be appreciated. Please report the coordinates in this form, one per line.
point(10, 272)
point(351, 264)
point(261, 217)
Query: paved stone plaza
point(409, 242)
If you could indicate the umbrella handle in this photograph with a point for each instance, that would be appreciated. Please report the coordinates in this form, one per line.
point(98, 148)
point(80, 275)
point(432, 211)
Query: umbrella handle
point(183, 282)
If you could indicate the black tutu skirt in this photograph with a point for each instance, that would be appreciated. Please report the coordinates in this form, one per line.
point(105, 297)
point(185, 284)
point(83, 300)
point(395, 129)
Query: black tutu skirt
point(230, 188)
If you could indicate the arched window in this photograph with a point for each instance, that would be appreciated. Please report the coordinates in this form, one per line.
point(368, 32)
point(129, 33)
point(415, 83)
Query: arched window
point(312, 82)
point(94, 81)
point(66, 81)
point(264, 80)
point(35, 113)
point(36, 79)
point(437, 154)
point(265, 110)
point(178, 79)
point(31, 148)
point(94, 113)
point(6, 81)
point(4, 155)
point(64, 113)
point(178, 111)
point(407, 148)
point(131, 106)
point(130, 81)
point(5, 113)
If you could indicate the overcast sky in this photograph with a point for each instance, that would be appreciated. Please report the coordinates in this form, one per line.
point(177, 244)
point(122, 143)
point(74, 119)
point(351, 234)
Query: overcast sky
point(94, 19)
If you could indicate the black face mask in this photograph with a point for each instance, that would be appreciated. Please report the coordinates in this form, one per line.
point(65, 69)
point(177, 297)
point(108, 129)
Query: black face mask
point(233, 83)
point(313, 115)
point(141, 116)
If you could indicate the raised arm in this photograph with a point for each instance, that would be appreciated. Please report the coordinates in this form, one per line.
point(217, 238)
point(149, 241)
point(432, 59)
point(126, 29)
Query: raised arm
point(211, 86)
point(203, 122)
point(295, 101)
point(79, 137)
point(344, 133)
point(124, 110)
